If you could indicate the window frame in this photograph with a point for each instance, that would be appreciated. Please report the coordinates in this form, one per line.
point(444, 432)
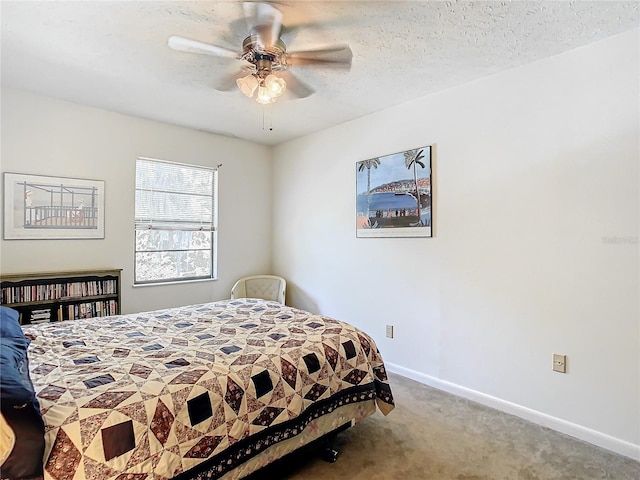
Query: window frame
point(213, 229)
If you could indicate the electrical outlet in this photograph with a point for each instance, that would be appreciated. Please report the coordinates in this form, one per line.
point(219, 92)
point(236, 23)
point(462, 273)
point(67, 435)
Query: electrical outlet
point(389, 331)
point(559, 363)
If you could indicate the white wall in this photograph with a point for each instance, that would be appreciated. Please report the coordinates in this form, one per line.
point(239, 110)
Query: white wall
point(44, 136)
point(535, 248)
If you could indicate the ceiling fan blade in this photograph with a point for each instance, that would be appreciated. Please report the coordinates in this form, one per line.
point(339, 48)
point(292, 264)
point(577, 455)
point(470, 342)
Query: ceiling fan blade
point(263, 20)
point(339, 56)
point(296, 86)
point(193, 46)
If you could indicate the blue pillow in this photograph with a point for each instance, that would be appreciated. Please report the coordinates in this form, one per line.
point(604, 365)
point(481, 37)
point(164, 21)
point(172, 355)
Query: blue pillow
point(15, 385)
point(9, 323)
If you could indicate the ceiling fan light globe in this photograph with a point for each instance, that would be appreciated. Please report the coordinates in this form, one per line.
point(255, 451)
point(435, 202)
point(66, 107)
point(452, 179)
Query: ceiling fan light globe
point(264, 96)
point(275, 85)
point(248, 84)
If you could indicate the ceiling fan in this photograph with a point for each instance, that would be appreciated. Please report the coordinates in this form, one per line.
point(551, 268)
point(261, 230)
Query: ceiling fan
point(265, 56)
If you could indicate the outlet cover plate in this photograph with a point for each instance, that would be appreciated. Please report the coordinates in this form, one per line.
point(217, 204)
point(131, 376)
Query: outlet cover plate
point(559, 363)
point(389, 331)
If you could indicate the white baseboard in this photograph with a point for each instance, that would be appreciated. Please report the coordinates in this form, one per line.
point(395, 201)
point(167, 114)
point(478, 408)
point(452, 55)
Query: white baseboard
point(600, 439)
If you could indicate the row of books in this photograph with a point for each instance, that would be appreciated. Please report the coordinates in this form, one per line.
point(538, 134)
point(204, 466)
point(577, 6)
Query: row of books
point(88, 310)
point(55, 291)
point(75, 311)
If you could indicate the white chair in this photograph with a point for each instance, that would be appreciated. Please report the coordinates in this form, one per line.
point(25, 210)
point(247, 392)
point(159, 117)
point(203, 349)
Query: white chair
point(267, 287)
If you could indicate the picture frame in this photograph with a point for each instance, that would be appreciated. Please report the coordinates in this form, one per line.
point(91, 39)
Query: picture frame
point(394, 195)
point(38, 207)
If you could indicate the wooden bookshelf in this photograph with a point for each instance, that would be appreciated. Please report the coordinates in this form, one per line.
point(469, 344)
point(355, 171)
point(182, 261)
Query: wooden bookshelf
point(57, 296)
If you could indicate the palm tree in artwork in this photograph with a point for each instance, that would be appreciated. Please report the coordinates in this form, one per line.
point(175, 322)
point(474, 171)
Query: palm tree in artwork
point(368, 164)
point(412, 158)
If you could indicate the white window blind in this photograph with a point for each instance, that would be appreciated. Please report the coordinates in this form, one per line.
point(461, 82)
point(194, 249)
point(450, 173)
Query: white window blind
point(175, 221)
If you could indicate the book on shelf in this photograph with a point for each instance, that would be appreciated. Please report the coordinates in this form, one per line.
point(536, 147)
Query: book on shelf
point(42, 320)
point(41, 314)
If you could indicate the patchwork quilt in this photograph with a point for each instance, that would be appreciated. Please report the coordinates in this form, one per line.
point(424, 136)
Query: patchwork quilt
point(175, 392)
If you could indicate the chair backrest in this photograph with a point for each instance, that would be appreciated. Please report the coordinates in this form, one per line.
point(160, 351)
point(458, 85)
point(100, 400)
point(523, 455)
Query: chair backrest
point(267, 287)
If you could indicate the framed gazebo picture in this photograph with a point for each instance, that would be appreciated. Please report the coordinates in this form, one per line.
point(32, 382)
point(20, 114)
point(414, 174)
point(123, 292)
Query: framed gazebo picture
point(43, 207)
point(393, 195)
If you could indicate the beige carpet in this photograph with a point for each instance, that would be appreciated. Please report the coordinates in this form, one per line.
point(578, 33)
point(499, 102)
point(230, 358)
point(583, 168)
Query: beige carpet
point(434, 435)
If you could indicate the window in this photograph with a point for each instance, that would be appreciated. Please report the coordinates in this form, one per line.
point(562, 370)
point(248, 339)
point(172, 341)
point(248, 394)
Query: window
point(175, 222)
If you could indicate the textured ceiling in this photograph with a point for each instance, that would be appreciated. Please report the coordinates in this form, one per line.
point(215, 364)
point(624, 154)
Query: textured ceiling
point(114, 55)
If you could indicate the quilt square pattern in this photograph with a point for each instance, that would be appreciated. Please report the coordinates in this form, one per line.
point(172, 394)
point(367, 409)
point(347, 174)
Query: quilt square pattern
point(167, 394)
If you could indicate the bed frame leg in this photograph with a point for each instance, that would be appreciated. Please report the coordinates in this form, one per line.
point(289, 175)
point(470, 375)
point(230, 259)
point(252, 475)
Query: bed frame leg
point(328, 453)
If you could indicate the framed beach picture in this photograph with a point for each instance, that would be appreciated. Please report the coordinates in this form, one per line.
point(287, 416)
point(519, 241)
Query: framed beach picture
point(393, 195)
point(42, 207)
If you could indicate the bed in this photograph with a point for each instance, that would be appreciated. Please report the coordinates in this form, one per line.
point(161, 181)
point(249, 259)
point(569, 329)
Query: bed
point(216, 390)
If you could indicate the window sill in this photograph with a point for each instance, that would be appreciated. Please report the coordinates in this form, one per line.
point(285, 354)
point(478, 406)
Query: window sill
point(175, 282)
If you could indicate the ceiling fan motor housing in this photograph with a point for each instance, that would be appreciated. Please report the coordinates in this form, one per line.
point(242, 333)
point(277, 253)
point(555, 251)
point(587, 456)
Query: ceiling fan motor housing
point(259, 55)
